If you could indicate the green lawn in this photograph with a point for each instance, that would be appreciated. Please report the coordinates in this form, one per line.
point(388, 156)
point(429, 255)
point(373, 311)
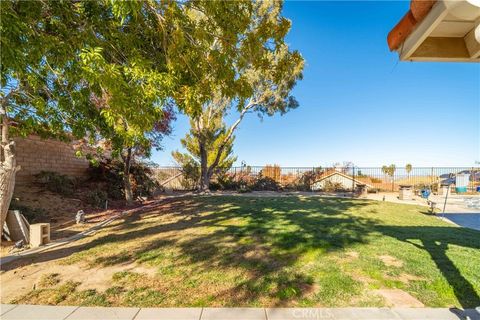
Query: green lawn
point(291, 251)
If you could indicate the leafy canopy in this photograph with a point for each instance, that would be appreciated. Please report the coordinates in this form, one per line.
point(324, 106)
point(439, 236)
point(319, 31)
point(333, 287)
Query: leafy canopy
point(258, 73)
point(109, 68)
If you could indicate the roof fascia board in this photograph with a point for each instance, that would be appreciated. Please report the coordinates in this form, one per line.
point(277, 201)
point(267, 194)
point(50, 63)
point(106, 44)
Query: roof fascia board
point(447, 59)
point(424, 28)
point(343, 175)
point(472, 41)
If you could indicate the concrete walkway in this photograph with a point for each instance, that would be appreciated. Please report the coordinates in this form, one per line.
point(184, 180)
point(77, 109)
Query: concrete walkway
point(34, 312)
point(467, 220)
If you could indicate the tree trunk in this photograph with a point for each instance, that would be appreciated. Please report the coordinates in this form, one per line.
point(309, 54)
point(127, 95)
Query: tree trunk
point(204, 185)
point(206, 172)
point(8, 169)
point(127, 186)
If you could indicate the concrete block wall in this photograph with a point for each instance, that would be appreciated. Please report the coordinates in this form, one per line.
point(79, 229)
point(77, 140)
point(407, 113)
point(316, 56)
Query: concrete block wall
point(35, 154)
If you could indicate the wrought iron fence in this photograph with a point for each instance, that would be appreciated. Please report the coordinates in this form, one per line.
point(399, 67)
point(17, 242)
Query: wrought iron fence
point(304, 178)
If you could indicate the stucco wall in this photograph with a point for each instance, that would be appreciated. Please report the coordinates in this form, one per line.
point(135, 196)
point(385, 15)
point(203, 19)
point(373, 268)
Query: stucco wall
point(35, 154)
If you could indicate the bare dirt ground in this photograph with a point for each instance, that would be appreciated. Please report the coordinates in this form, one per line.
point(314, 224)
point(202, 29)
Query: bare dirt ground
point(25, 274)
point(29, 277)
point(60, 212)
point(398, 298)
point(391, 261)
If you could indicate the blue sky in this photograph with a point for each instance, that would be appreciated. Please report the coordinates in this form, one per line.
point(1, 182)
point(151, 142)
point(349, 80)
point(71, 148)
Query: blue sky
point(357, 102)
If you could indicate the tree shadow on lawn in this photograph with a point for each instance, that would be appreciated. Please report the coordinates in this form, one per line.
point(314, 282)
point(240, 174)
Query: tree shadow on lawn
point(264, 238)
point(187, 218)
point(260, 237)
point(436, 240)
point(270, 239)
point(278, 232)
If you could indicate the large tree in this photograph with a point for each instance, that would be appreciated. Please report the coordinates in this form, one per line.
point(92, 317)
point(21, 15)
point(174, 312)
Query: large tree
point(73, 70)
point(262, 71)
point(210, 129)
point(89, 69)
point(105, 69)
point(41, 89)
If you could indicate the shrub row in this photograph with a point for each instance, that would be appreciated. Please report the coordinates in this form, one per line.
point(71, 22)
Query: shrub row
point(244, 181)
point(105, 181)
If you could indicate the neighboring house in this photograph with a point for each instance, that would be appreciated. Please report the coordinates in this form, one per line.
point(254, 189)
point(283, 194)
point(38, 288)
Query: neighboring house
point(335, 177)
point(449, 178)
point(438, 30)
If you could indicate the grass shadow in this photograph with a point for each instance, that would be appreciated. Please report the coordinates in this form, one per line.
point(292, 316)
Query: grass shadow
point(264, 240)
point(436, 241)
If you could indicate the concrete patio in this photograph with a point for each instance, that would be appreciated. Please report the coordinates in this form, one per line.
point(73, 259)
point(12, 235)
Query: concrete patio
point(37, 312)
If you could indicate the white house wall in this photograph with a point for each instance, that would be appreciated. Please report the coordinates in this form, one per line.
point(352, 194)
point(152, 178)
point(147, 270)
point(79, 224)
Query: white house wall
point(345, 182)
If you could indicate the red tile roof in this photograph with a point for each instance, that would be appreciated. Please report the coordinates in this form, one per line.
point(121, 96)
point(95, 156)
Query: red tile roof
point(418, 11)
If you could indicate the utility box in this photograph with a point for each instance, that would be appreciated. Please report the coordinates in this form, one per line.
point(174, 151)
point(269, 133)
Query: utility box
point(39, 234)
point(461, 182)
point(406, 192)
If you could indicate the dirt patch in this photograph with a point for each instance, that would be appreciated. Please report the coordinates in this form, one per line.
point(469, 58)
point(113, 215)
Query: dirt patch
point(398, 298)
point(60, 211)
point(352, 254)
point(348, 257)
point(18, 282)
point(390, 261)
point(363, 279)
point(100, 278)
point(404, 277)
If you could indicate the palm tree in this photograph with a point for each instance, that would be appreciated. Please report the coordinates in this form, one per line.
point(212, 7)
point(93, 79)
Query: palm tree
point(390, 171)
point(385, 170)
point(408, 169)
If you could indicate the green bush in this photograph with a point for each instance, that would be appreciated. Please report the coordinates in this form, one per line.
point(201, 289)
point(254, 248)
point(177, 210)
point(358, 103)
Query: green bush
point(191, 175)
point(307, 179)
point(233, 182)
point(265, 184)
point(56, 182)
point(143, 180)
point(215, 186)
point(96, 198)
point(110, 173)
point(330, 186)
point(420, 186)
point(228, 182)
point(244, 189)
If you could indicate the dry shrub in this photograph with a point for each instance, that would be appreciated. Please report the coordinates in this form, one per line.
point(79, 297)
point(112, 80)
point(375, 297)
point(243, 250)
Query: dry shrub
point(273, 172)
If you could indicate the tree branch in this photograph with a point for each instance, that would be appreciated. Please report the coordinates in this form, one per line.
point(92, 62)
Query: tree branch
point(252, 103)
point(234, 126)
